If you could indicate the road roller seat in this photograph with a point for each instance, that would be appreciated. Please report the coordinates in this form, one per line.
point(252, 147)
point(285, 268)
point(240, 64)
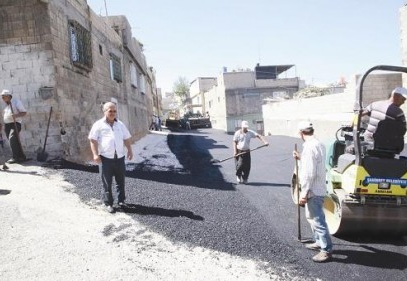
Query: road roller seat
point(337, 149)
point(388, 139)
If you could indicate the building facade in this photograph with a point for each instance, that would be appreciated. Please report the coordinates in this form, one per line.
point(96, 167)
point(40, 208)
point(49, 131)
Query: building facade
point(239, 95)
point(60, 54)
point(196, 91)
point(403, 36)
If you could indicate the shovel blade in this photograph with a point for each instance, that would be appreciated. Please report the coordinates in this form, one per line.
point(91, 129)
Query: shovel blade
point(42, 156)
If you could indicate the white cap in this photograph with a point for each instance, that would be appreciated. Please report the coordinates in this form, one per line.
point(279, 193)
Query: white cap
point(6, 93)
point(305, 125)
point(245, 124)
point(401, 91)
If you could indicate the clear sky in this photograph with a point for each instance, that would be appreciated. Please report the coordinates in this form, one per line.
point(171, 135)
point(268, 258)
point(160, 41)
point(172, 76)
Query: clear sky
point(324, 39)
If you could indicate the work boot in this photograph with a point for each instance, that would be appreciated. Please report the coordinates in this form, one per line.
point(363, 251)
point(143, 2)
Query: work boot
point(313, 246)
point(322, 257)
point(122, 204)
point(110, 209)
point(11, 161)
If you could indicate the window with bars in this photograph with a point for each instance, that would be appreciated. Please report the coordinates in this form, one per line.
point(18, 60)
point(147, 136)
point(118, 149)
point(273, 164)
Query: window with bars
point(115, 68)
point(142, 83)
point(81, 45)
point(133, 75)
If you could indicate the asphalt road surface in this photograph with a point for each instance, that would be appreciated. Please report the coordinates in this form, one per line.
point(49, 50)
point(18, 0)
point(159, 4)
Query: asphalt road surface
point(174, 188)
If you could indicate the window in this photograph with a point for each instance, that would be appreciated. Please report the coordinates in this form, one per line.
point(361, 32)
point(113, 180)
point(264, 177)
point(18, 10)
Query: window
point(115, 68)
point(133, 75)
point(81, 45)
point(142, 84)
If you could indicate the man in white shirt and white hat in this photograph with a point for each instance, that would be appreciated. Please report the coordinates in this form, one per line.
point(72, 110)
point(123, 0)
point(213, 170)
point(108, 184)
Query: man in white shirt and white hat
point(12, 118)
point(312, 177)
point(241, 150)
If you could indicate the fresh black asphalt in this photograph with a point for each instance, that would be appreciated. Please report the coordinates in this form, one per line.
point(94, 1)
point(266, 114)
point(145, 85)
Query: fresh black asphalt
point(174, 188)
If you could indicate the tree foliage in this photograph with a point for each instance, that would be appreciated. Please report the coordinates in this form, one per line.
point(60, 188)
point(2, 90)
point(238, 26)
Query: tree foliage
point(181, 88)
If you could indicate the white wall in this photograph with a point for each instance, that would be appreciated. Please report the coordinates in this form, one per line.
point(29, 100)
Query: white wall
point(327, 113)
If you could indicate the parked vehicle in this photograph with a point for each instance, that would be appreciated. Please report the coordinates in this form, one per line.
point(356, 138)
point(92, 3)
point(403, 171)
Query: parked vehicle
point(194, 121)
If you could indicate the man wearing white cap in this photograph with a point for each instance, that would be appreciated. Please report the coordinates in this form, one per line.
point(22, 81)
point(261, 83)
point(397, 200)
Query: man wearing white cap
point(13, 113)
point(241, 145)
point(312, 177)
point(385, 109)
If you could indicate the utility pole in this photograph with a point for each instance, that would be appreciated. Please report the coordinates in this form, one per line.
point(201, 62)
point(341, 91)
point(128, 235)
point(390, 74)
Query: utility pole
point(106, 8)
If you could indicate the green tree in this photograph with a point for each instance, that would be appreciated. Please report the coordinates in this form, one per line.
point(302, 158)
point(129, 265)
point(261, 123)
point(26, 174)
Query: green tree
point(181, 88)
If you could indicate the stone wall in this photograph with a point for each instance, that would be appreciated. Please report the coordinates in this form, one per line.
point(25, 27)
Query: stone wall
point(329, 112)
point(35, 51)
point(27, 65)
point(403, 36)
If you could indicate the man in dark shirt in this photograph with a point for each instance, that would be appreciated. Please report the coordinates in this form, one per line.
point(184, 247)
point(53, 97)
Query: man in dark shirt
point(385, 109)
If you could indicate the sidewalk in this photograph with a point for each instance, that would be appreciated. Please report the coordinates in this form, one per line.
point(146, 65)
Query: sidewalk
point(47, 233)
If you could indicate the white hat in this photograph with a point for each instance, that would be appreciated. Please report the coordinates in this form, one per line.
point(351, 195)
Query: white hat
point(6, 93)
point(245, 124)
point(305, 125)
point(401, 91)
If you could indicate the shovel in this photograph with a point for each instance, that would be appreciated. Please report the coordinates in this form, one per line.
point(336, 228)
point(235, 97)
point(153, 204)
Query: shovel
point(297, 193)
point(241, 153)
point(42, 156)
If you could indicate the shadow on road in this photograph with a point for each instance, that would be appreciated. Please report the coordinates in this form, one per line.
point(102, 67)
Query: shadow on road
point(11, 171)
point(372, 257)
point(155, 211)
point(269, 184)
point(5, 191)
point(193, 165)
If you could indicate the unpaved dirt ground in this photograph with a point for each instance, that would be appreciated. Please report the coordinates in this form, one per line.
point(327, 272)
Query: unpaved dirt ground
point(47, 233)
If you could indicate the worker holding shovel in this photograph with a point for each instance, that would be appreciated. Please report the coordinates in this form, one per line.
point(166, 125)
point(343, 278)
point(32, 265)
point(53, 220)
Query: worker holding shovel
point(241, 150)
point(13, 113)
point(312, 177)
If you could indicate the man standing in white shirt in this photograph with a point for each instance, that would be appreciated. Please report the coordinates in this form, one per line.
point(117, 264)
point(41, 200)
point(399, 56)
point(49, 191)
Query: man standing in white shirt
point(108, 137)
point(13, 117)
point(241, 150)
point(312, 177)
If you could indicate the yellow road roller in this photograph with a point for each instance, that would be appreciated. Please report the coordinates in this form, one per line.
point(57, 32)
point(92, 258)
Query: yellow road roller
point(366, 181)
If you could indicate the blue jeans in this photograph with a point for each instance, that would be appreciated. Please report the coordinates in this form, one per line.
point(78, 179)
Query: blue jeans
point(113, 168)
point(316, 217)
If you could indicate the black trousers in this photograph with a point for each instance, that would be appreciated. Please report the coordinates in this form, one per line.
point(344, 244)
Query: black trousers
point(243, 165)
point(113, 168)
point(15, 144)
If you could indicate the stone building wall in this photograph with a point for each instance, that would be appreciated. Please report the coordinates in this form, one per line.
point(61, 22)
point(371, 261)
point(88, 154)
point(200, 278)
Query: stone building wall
point(36, 53)
point(27, 64)
point(403, 36)
point(239, 96)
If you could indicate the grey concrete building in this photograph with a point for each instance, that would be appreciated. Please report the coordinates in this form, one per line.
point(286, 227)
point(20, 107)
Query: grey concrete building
point(403, 36)
point(60, 54)
point(196, 91)
point(239, 95)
